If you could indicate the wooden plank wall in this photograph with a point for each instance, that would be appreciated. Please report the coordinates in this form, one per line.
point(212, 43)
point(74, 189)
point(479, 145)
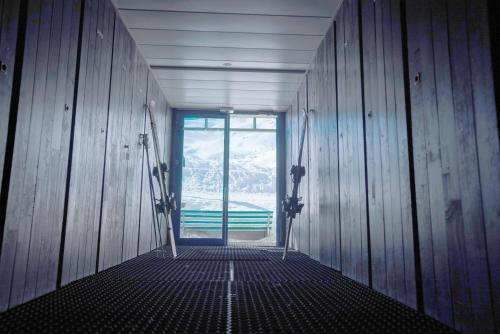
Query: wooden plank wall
point(352, 185)
point(118, 149)
point(81, 109)
point(9, 21)
point(135, 158)
point(457, 161)
point(314, 93)
point(324, 151)
point(84, 201)
point(405, 89)
point(35, 207)
point(389, 197)
point(124, 157)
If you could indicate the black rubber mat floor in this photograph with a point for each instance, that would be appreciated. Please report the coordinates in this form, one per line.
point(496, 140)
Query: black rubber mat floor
point(217, 290)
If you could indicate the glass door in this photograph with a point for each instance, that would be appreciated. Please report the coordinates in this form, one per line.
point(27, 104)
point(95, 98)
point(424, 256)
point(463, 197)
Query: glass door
point(252, 180)
point(224, 178)
point(201, 192)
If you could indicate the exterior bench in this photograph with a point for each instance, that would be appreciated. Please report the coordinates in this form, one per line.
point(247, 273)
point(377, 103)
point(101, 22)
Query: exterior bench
point(238, 221)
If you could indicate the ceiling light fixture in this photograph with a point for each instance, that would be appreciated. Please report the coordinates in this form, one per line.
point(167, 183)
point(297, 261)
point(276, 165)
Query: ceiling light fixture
point(227, 110)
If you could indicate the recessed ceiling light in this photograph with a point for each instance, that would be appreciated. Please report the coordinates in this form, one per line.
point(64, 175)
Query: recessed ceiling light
point(227, 64)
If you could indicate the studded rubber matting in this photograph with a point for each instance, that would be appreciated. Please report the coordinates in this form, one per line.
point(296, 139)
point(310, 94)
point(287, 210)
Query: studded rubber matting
point(222, 254)
point(217, 290)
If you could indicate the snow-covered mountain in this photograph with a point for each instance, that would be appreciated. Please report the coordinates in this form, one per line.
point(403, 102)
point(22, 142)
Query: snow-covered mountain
point(252, 162)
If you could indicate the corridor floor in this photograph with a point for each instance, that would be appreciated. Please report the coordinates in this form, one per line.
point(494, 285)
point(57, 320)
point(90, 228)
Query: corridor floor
point(217, 290)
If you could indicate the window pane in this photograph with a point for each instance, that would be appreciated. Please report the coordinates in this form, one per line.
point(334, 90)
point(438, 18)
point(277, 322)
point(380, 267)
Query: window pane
point(266, 123)
point(202, 184)
point(241, 122)
point(194, 122)
point(252, 187)
point(215, 123)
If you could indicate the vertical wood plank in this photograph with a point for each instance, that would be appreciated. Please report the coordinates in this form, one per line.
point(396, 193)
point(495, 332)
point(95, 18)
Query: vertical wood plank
point(352, 174)
point(405, 228)
point(333, 147)
point(117, 153)
point(134, 163)
point(84, 201)
point(447, 106)
point(9, 20)
point(487, 139)
point(389, 200)
point(33, 231)
point(472, 288)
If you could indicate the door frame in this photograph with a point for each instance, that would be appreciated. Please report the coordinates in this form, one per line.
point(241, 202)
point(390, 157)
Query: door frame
point(176, 172)
point(176, 175)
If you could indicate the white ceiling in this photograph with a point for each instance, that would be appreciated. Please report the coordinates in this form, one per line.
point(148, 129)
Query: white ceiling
point(268, 44)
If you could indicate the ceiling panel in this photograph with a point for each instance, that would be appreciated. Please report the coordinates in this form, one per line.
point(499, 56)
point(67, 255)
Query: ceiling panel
point(226, 39)
point(221, 102)
point(321, 8)
point(249, 55)
point(228, 85)
point(236, 107)
point(221, 93)
point(216, 64)
point(264, 24)
point(227, 75)
point(227, 54)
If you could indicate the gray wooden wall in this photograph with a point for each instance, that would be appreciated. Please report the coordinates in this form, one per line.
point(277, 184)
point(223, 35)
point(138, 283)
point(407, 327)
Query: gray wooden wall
point(9, 21)
point(73, 201)
point(402, 190)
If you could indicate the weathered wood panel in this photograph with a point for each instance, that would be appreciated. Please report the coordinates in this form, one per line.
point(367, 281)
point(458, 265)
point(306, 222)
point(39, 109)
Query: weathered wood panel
point(84, 203)
point(135, 158)
point(9, 21)
point(456, 149)
point(118, 149)
point(482, 65)
point(314, 96)
point(323, 150)
point(389, 193)
point(353, 211)
point(331, 133)
point(33, 223)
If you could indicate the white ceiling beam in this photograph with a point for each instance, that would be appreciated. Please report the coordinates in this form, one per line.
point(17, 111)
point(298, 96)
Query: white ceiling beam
point(228, 85)
point(319, 8)
point(226, 54)
point(295, 25)
point(226, 39)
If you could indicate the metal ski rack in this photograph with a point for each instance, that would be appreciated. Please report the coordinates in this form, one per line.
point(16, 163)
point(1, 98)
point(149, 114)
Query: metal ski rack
point(166, 202)
point(292, 204)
